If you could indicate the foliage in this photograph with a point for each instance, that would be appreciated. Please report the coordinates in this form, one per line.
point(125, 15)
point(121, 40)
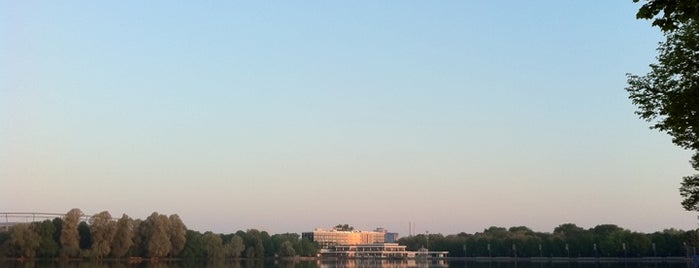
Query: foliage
point(194, 246)
point(675, 12)
point(101, 236)
point(606, 240)
point(133, 238)
point(70, 238)
point(307, 248)
point(24, 241)
point(139, 240)
point(213, 246)
point(4, 244)
point(123, 236)
point(235, 247)
point(85, 237)
point(254, 243)
point(103, 230)
point(690, 192)
point(668, 97)
point(343, 227)
point(157, 236)
point(668, 94)
point(178, 234)
point(48, 246)
point(286, 249)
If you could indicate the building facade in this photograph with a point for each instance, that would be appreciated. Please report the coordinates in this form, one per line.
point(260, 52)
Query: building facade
point(391, 237)
point(327, 238)
point(381, 250)
point(378, 251)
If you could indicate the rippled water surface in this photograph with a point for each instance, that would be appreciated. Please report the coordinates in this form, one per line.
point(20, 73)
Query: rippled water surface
point(344, 264)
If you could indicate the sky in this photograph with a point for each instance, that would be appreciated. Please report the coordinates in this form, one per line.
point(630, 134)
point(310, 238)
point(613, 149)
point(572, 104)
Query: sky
point(286, 116)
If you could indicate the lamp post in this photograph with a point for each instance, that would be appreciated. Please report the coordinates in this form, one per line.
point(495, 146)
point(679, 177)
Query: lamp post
point(594, 247)
point(427, 235)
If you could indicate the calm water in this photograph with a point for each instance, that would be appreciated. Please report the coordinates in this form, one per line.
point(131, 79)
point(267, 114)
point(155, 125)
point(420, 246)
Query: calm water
point(341, 264)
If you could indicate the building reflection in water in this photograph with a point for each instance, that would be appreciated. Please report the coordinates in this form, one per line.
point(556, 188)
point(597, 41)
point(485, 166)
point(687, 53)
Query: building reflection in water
point(384, 263)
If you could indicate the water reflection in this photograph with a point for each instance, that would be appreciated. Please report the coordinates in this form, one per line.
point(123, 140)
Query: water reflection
point(566, 264)
point(356, 263)
point(383, 263)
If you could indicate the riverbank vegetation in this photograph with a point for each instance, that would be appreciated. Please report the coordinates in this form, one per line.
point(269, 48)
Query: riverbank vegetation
point(158, 236)
point(161, 236)
point(566, 240)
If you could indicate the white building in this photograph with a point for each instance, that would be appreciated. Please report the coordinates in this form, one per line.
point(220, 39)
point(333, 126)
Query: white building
point(379, 251)
point(327, 238)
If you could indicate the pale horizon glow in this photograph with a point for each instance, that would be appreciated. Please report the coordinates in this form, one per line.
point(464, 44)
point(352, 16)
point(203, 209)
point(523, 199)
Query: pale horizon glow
point(286, 116)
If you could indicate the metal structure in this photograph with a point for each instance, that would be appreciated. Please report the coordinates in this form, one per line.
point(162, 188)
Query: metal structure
point(11, 218)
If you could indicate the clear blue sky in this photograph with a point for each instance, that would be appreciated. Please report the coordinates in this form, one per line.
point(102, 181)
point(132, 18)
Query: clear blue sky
point(286, 116)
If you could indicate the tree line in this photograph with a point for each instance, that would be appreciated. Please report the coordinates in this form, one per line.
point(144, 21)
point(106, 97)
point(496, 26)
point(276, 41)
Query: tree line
point(162, 236)
point(158, 236)
point(567, 240)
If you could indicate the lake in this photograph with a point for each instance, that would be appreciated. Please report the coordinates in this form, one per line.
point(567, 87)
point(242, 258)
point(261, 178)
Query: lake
point(359, 263)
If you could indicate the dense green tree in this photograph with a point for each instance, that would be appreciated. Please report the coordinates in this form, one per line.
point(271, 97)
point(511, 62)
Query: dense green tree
point(605, 230)
point(235, 247)
point(48, 247)
point(259, 248)
point(255, 250)
point(24, 241)
point(85, 237)
point(668, 95)
point(102, 230)
point(70, 237)
point(123, 236)
point(139, 239)
point(609, 240)
point(157, 235)
point(412, 242)
point(691, 239)
point(568, 230)
point(675, 12)
point(456, 244)
point(689, 190)
point(287, 249)
point(606, 240)
point(178, 234)
point(5, 244)
point(667, 243)
point(277, 240)
point(496, 232)
point(639, 245)
point(521, 230)
point(4, 238)
point(194, 246)
point(213, 246)
point(579, 241)
point(58, 230)
point(255, 241)
point(307, 248)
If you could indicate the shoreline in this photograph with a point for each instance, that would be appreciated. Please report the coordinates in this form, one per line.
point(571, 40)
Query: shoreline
point(306, 259)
